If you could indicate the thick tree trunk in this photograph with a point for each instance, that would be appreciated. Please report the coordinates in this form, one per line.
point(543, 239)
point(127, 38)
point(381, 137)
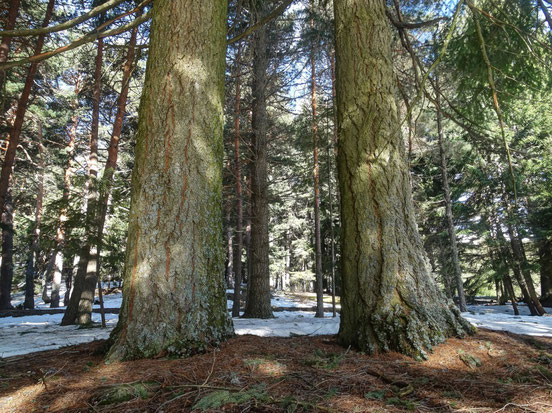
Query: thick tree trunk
point(316, 180)
point(239, 194)
point(390, 300)
point(6, 268)
point(448, 209)
point(173, 293)
point(81, 302)
point(258, 295)
point(545, 260)
point(16, 129)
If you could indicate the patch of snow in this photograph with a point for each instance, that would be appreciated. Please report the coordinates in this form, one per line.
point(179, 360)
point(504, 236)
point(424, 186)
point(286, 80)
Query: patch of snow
point(502, 318)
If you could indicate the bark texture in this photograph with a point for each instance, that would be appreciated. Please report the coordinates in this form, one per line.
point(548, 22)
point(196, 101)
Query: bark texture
point(258, 284)
point(390, 300)
point(174, 300)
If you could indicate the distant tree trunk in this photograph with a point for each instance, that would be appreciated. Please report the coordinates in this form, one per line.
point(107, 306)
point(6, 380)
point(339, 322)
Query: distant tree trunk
point(448, 208)
point(68, 276)
point(258, 295)
point(79, 309)
point(5, 46)
point(520, 261)
point(229, 247)
point(239, 194)
point(316, 180)
point(332, 232)
point(389, 299)
point(15, 133)
point(173, 292)
point(62, 230)
point(6, 269)
point(545, 260)
point(546, 13)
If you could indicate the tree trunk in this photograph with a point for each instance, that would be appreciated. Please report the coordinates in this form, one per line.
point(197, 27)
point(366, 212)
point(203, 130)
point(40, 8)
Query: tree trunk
point(390, 300)
point(81, 302)
point(5, 46)
point(229, 276)
point(258, 295)
point(239, 194)
point(545, 260)
point(448, 208)
point(174, 300)
point(332, 232)
point(15, 132)
point(520, 261)
point(6, 268)
point(316, 180)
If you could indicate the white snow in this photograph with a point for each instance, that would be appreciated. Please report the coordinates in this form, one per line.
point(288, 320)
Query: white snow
point(22, 335)
point(502, 318)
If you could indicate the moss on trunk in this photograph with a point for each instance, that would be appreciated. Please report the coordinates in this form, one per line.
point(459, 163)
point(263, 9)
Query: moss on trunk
point(173, 297)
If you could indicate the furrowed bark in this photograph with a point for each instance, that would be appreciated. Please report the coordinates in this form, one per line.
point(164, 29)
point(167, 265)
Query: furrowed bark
point(174, 300)
point(390, 300)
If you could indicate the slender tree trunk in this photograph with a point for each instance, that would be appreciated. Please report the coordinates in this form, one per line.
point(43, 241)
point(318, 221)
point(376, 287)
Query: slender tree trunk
point(521, 263)
point(258, 295)
point(545, 260)
point(389, 300)
point(5, 46)
point(229, 245)
point(15, 132)
point(332, 232)
point(79, 309)
point(448, 208)
point(546, 13)
point(174, 300)
point(239, 194)
point(6, 268)
point(316, 180)
point(68, 276)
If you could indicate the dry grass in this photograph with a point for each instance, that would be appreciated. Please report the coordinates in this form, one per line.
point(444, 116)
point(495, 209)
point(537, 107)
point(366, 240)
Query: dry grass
point(289, 374)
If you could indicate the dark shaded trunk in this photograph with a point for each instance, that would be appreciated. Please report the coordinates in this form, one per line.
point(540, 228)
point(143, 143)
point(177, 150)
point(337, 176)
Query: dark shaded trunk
point(15, 132)
point(316, 181)
point(521, 265)
point(258, 295)
point(239, 194)
point(174, 300)
point(448, 208)
point(80, 305)
point(389, 300)
point(6, 268)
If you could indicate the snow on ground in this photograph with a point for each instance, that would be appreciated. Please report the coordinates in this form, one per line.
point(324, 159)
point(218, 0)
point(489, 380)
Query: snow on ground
point(22, 335)
point(502, 318)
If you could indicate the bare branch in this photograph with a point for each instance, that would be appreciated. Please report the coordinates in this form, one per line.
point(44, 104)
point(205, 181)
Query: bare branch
point(63, 26)
point(90, 37)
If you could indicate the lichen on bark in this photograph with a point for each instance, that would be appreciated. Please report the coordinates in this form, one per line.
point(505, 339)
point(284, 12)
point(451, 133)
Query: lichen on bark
point(174, 300)
point(390, 300)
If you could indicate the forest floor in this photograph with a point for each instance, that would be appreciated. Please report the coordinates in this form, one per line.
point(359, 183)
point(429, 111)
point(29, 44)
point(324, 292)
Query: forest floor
point(488, 372)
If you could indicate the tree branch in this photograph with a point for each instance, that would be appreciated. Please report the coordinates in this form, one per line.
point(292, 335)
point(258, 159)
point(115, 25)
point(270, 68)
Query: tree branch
point(90, 37)
point(407, 25)
point(63, 26)
point(275, 13)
